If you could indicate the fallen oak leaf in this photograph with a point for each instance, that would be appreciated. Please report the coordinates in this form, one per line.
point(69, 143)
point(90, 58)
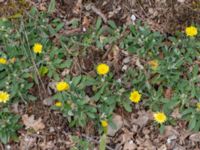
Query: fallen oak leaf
point(30, 122)
point(86, 22)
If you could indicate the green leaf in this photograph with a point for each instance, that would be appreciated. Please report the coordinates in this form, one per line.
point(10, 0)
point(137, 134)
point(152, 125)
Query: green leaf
point(76, 80)
point(102, 145)
point(192, 122)
point(162, 128)
point(43, 70)
point(32, 98)
point(52, 6)
point(187, 111)
point(59, 26)
point(98, 23)
point(66, 64)
point(133, 30)
point(112, 24)
point(4, 137)
point(195, 70)
point(127, 106)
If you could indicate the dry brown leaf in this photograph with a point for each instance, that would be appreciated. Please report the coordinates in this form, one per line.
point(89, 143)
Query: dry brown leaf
point(163, 147)
point(168, 93)
point(77, 8)
point(126, 136)
point(195, 137)
point(118, 121)
point(130, 146)
point(176, 114)
point(27, 141)
point(42, 7)
point(30, 122)
point(149, 145)
point(141, 120)
point(169, 131)
point(86, 22)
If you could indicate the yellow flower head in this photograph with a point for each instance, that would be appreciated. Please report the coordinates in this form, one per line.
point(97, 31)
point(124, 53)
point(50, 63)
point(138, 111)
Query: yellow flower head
point(58, 104)
point(160, 117)
point(37, 48)
point(191, 31)
point(102, 69)
point(135, 96)
point(198, 105)
point(4, 97)
point(104, 123)
point(3, 61)
point(62, 86)
point(154, 64)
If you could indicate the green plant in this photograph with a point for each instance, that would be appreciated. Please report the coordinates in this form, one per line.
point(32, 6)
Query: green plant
point(80, 143)
point(91, 98)
point(9, 125)
point(163, 69)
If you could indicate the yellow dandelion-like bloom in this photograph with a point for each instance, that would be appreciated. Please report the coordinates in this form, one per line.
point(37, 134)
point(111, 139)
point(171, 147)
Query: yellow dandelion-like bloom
point(102, 69)
point(191, 31)
point(62, 86)
point(4, 97)
point(160, 117)
point(3, 61)
point(37, 48)
point(58, 104)
point(198, 105)
point(135, 96)
point(104, 123)
point(154, 64)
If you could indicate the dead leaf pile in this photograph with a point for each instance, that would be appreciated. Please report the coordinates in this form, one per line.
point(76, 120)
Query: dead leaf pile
point(31, 123)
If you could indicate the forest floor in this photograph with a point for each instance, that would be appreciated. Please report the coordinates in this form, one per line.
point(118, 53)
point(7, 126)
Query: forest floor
point(135, 130)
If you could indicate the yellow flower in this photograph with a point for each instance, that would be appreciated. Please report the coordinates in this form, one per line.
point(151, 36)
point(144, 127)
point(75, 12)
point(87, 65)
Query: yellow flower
point(37, 48)
point(104, 123)
point(3, 61)
point(4, 97)
point(135, 96)
point(191, 31)
point(198, 105)
point(154, 64)
point(62, 86)
point(102, 69)
point(58, 104)
point(160, 117)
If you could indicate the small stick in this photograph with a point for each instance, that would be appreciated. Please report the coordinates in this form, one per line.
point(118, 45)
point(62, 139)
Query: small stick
point(98, 12)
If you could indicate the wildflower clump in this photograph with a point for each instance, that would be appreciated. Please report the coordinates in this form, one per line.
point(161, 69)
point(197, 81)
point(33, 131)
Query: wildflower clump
point(160, 117)
point(4, 97)
point(37, 48)
point(135, 96)
point(62, 86)
point(102, 69)
point(191, 31)
point(3, 61)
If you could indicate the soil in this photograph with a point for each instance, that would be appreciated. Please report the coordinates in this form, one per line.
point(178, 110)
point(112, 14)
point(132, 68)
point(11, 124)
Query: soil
point(166, 16)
